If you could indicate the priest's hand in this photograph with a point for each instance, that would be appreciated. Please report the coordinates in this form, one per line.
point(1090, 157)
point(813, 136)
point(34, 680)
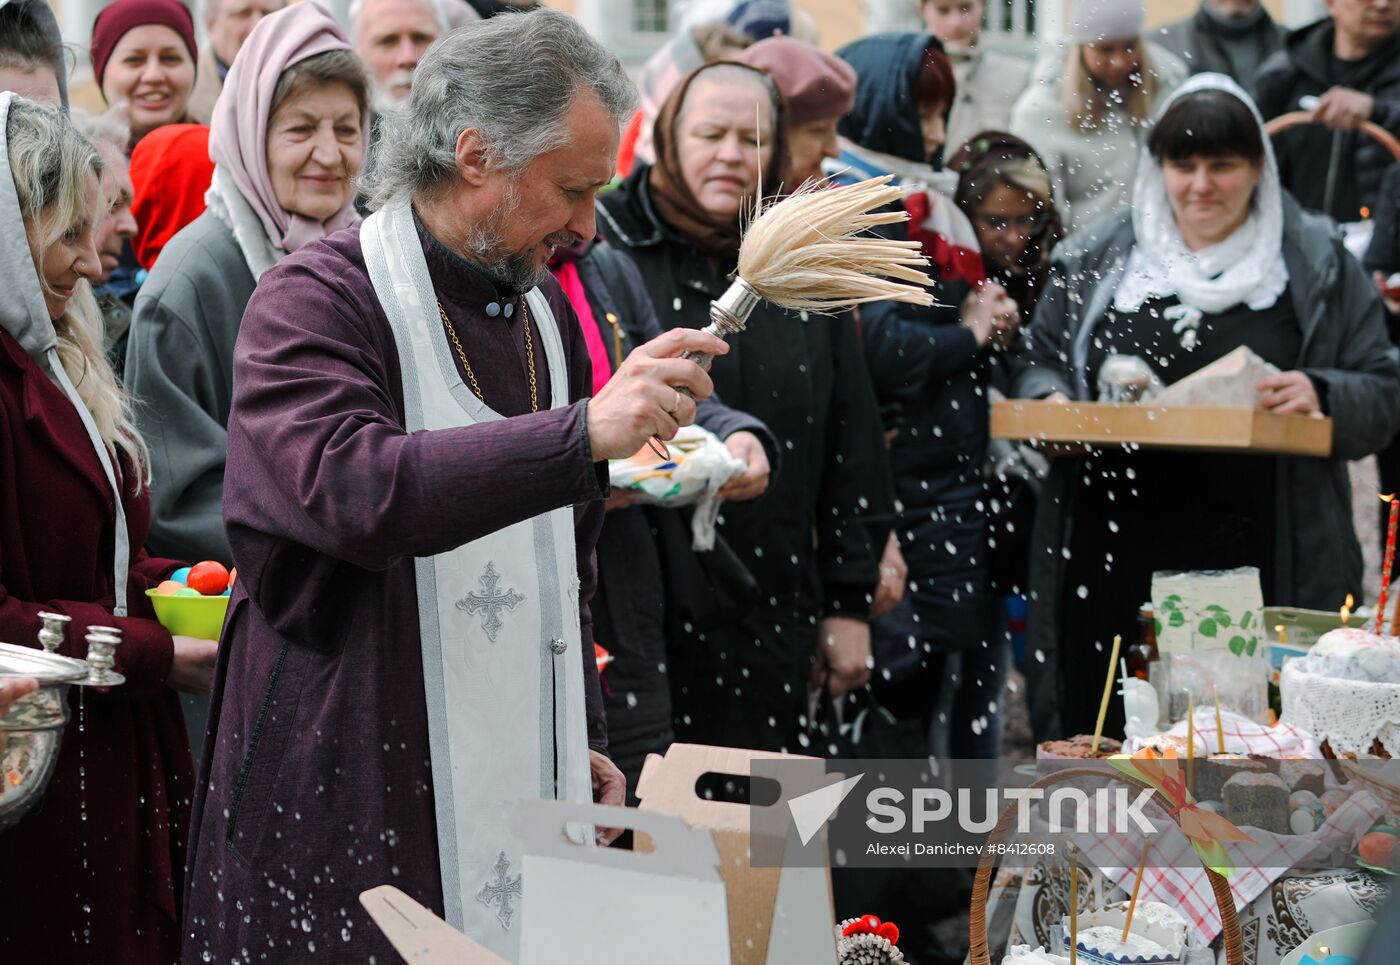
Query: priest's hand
point(754, 482)
point(646, 396)
point(192, 670)
point(843, 661)
point(609, 787)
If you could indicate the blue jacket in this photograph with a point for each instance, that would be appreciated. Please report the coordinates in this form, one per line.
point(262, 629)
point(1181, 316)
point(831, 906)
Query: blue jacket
point(885, 118)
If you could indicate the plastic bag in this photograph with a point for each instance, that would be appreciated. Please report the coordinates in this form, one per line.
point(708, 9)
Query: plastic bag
point(699, 466)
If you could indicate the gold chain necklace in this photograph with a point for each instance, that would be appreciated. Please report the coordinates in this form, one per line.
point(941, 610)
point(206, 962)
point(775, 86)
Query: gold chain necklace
point(529, 354)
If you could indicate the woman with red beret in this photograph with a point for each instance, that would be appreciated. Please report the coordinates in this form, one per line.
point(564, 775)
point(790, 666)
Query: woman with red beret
point(143, 58)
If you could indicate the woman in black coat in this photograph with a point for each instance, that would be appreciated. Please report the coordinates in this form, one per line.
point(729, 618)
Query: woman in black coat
point(1214, 256)
point(931, 370)
point(813, 542)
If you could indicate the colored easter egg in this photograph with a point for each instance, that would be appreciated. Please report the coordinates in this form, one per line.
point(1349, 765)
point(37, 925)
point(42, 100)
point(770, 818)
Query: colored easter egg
point(209, 578)
point(182, 575)
point(1308, 818)
point(1298, 798)
point(1377, 848)
point(1333, 799)
point(228, 592)
point(233, 576)
point(187, 591)
point(169, 588)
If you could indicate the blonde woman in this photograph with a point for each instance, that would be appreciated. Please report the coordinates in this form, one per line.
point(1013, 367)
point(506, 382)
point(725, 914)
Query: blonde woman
point(104, 853)
point(1087, 115)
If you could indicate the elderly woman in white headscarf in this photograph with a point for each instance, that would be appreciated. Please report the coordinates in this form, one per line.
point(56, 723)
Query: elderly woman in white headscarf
point(1212, 258)
point(287, 140)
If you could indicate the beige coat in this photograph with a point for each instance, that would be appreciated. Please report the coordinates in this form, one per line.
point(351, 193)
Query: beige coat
point(1092, 171)
point(989, 83)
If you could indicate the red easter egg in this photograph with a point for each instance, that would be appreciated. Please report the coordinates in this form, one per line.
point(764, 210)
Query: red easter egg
point(889, 931)
point(1377, 848)
point(169, 588)
point(209, 578)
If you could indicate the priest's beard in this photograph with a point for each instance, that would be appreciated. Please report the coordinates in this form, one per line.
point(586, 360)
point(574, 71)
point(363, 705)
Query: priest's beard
point(518, 269)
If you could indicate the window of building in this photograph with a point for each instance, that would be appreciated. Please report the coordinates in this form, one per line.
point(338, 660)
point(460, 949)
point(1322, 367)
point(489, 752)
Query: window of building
point(650, 16)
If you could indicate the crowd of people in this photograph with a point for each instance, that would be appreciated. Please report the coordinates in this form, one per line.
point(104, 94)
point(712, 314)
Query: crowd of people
point(363, 305)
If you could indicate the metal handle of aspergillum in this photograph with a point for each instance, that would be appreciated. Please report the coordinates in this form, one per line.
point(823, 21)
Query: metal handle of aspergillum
point(729, 314)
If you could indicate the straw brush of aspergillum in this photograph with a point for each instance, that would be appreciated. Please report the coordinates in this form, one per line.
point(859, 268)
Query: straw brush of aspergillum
point(813, 251)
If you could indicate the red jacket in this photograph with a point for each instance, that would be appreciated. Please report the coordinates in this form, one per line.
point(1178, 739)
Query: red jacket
point(96, 872)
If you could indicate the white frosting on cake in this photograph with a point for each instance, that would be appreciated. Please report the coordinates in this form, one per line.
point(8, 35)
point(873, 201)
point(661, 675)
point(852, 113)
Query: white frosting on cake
point(1162, 915)
point(1024, 955)
point(1107, 940)
point(1355, 654)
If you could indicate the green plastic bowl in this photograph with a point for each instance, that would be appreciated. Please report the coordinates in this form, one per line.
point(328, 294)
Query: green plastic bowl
point(190, 616)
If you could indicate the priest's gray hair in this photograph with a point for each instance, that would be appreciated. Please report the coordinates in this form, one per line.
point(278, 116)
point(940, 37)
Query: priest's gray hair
point(514, 78)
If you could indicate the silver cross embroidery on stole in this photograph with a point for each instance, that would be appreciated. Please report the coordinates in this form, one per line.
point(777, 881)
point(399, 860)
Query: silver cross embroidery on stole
point(500, 891)
point(490, 602)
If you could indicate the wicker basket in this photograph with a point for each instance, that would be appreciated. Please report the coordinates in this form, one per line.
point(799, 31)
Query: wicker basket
point(1359, 774)
point(979, 947)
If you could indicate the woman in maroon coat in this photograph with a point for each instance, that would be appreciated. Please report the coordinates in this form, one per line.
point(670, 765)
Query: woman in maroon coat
point(94, 873)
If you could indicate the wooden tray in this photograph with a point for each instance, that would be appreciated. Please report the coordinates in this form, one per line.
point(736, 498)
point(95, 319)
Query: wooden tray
point(1192, 427)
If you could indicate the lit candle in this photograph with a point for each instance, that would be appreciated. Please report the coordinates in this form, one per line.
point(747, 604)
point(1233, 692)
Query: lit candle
point(1107, 693)
point(1387, 562)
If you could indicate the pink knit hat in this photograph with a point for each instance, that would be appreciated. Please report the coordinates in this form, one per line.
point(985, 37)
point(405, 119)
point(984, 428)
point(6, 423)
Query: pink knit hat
point(815, 85)
point(115, 21)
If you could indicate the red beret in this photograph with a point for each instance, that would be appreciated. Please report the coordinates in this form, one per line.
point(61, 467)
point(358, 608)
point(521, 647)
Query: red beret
point(815, 85)
point(115, 21)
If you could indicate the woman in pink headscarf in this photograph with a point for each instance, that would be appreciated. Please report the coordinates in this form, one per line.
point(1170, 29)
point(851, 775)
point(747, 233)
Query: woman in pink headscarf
point(287, 138)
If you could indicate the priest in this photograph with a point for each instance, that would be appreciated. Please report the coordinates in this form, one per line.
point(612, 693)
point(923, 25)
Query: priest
point(414, 486)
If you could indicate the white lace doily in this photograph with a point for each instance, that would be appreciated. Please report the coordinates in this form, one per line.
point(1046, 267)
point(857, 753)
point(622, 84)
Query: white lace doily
point(1348, 714)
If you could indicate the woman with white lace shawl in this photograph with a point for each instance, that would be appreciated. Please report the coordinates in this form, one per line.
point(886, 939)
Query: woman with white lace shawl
point(1214, 256)
point(287, 139)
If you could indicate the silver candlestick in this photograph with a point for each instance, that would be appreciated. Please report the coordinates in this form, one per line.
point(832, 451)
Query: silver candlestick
point(101, 656)
point(54, 630)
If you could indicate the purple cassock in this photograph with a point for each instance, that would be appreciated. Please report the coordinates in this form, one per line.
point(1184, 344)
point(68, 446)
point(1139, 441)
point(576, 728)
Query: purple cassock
point(317, 781)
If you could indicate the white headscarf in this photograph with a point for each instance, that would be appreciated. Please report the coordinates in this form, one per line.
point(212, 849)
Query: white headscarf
point(1246, 268)
point(24, 315)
